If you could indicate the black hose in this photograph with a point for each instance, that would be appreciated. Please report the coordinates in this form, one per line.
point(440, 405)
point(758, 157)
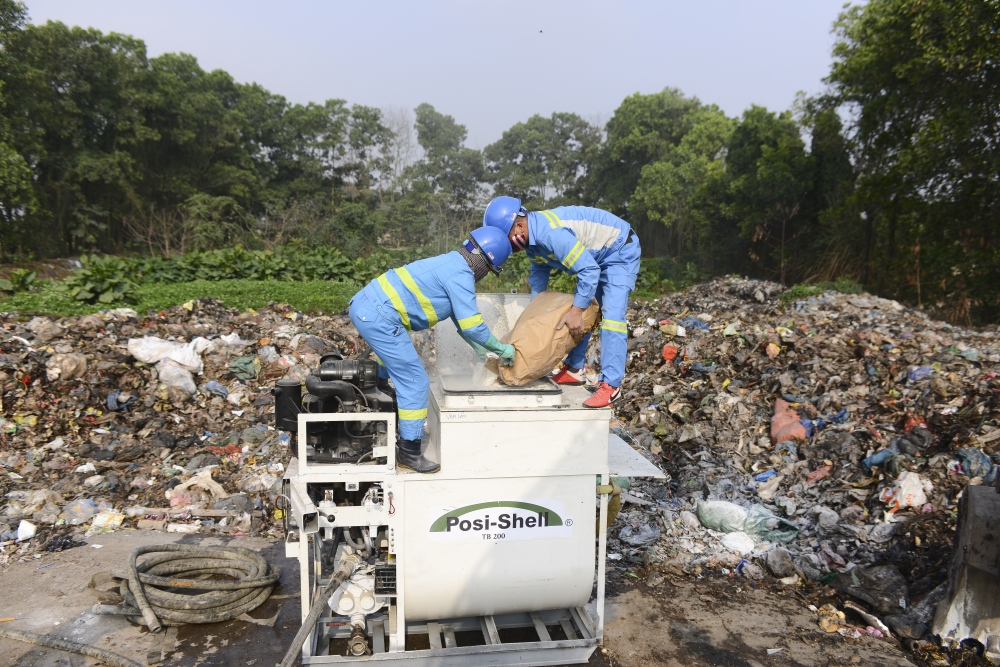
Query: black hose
point(109, 657)
point(348, 565)
point(144, 586)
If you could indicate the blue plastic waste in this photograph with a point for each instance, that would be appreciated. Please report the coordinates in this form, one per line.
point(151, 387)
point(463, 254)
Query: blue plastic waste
point(114, 405)
point(878, 458)
point(693, 323)
point(217, 388)
point(920, 373)
point(764, 476)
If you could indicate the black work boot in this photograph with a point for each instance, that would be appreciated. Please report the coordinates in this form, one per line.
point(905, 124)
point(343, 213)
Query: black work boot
point(408, 455)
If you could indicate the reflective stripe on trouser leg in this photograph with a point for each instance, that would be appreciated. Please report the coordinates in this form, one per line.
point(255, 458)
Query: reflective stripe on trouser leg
point(394, 348)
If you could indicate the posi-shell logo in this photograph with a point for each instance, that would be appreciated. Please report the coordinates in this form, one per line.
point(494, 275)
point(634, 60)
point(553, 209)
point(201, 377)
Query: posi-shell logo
point(501, 520)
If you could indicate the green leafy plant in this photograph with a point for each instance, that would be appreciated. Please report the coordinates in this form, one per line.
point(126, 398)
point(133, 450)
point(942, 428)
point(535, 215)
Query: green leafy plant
point(20, 280)
point(101, 280)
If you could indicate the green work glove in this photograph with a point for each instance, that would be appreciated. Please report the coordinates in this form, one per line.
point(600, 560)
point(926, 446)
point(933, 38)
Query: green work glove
point(479, 349)
point(507, 355)
point(504, 351)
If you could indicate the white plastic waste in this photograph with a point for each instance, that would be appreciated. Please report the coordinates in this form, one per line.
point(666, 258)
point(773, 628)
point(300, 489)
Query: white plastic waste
point(151, 350)
point(234, 340)
point(174, 374)
point(739, 542)
point(25, 530)
point(909, 490)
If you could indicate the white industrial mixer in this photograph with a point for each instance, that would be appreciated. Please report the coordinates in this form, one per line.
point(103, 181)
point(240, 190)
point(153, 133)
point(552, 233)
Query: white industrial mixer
point(497, 559)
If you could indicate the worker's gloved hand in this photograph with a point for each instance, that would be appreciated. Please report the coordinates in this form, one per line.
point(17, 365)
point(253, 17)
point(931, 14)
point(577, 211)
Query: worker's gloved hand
point(507, 355)
point(479, 349)
point(502, 350)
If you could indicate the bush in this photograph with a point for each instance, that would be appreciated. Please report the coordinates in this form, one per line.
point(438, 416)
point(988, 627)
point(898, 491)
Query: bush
point(100, 279)
point(20, 280)
point(804, 291)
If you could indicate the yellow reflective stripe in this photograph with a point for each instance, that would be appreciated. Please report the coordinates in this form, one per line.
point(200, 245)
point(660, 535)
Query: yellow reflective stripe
point(424, 302)
point(397, 302)
point(378, 361)
point(615, 325)
point(412, 414)
point(553, 219)
point(573, 255)
point(471, 321)
point(538, 260)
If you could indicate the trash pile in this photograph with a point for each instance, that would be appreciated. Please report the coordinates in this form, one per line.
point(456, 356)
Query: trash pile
point(827, 441)
point(164, 422)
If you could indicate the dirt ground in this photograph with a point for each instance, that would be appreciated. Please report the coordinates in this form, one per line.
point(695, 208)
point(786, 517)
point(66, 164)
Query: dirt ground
point(709, 622)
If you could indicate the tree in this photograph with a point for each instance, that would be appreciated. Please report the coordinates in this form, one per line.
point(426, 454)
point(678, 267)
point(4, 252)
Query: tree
point(672, 191)
point(770, 174)
point(17, 198)
point(641, 132)
point(921, 78)
point(72, 101)
point(543, 159)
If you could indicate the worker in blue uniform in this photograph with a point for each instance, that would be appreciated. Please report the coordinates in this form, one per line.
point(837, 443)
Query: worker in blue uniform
point(416, 297)
point(603, 252)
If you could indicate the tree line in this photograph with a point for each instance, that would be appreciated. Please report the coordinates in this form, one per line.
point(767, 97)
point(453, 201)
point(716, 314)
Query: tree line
point(890, 177)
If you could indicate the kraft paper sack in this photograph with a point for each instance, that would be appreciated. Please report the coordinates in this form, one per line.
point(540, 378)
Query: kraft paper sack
point(539, 345)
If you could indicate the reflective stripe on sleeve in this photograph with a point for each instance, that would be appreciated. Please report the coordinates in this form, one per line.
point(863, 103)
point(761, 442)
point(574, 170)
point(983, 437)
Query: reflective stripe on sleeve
point(424, 302)
point(469, 322)
point(553, 219)
point(615, 325)
point(397, 302)
point(574, 254)
point(413, 414)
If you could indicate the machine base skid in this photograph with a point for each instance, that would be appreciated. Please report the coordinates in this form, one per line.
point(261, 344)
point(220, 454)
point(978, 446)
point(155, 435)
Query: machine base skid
point(522, 653)
point(525, 654)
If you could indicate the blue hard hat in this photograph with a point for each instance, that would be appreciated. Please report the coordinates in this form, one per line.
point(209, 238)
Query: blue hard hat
point(492, 243)
point(501, 212)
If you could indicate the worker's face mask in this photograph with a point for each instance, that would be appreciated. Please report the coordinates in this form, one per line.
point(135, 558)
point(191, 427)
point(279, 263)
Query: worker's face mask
point(519, 242)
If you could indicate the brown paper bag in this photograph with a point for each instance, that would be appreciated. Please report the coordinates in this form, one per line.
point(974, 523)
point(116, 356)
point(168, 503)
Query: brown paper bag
point(539, 345)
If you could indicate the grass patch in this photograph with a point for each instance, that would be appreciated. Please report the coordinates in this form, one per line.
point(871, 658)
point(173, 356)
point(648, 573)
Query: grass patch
point(319, 296)
point(802, 291)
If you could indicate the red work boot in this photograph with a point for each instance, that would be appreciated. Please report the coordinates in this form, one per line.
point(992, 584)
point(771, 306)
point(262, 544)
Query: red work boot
point(603, 397)
point(568, 376)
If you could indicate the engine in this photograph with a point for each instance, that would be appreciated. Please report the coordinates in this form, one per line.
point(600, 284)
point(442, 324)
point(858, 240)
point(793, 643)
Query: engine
point(338, 386)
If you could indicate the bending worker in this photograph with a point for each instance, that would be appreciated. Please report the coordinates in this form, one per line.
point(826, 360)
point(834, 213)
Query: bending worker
point(413, 298)
point(603, 252)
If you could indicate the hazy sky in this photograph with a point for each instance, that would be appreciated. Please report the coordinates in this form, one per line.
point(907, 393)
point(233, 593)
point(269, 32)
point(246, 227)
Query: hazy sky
point(492, 64)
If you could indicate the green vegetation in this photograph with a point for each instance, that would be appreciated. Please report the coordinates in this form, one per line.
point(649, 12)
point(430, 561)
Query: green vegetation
point(843, 285)
point(311, 297)
point(888, 178)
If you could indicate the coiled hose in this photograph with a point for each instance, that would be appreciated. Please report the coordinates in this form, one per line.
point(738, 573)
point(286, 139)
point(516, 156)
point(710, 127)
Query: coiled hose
point(109, 657)
point(347, 566)
point(144, 585)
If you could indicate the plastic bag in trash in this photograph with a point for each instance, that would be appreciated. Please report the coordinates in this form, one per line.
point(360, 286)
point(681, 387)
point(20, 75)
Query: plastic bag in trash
point(974, 462)
point(216, 387)
point(245, 368)
point(151, 350)
point(721, 515)
point(173, 374)
point(909, 490)
point(65, 367)
point(79, 511)
point(760, 523)
point(642, 536)
point(268, 354)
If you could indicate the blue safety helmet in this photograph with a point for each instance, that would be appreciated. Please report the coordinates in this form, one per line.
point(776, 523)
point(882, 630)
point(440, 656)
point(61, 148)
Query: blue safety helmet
point(501, 212)
point(492, 243)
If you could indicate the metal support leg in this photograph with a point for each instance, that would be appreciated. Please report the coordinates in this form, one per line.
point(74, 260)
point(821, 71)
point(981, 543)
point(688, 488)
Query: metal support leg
point(489, 626)
point(434, 634)
point(543, 632)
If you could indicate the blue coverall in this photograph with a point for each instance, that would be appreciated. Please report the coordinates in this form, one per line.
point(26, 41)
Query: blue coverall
point(413, 298)
point(602, 251)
